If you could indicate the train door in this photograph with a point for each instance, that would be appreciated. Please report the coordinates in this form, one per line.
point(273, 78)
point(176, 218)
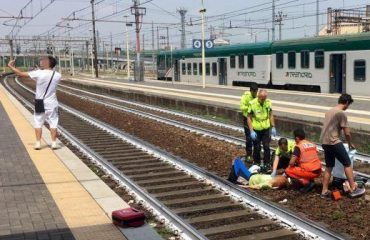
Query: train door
point(177, 70)
point(337, 76)
point(222, 75)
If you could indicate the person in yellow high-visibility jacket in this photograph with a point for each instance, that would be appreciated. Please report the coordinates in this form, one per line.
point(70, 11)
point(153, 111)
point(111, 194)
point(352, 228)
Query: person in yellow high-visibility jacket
point(260, 121)
point(246, 98)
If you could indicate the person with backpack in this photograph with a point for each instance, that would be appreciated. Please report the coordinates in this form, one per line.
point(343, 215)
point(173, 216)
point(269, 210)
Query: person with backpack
point(46, 102)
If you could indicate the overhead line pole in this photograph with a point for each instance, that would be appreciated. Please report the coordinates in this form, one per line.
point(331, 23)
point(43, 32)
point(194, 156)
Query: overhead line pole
point(95, 62)
point(202, 12)
point(138, 12)
point(317, 17)
point(273, 22)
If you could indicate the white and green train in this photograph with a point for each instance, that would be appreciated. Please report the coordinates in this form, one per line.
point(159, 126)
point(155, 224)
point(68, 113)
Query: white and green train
point(337, 64)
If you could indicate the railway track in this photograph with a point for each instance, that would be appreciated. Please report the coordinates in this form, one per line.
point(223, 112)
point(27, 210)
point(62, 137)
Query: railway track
point(363, 165)
point(222, 131)
point(199, 204)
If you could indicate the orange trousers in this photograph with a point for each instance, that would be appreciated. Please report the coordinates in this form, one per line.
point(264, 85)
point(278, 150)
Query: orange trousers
point(301, 174)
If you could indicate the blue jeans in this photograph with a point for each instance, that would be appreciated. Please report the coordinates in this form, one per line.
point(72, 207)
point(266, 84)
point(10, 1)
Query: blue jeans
point(238, 169)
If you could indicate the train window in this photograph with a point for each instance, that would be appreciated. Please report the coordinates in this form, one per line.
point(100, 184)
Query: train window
point(200, 69)
point(195, 68)
point(214, 69)
point(319, 59)
point(232, 62)
point(183, 68)
point(189, 68)
point(279, 60)
point(241, 61)
point(305, 59)
point(360, 70)
point(291, 60)
point(250, 61)
point(208, 69)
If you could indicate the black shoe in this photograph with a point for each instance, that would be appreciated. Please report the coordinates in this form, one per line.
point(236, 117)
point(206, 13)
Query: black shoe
point(308, 187)
point(326, 196)
point(232, 176)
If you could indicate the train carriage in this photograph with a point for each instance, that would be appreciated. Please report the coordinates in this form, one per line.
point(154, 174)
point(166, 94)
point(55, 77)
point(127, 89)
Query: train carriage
point(325, 64)
point(338, 64)
point(225, 65)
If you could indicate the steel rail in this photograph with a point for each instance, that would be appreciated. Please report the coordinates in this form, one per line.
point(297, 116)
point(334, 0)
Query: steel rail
point(171, 219)
point(359, 156)
point(198, 130)
point(307, 227)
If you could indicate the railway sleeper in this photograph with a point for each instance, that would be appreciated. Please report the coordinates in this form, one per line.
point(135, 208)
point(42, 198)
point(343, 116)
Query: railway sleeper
point(200, 190)
point(164, 180)
point(165, 168)
point(205, 208)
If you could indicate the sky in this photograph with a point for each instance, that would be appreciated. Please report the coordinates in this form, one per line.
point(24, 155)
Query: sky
point(239, 21)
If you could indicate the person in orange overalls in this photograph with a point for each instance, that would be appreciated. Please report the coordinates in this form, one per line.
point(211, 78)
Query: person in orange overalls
point(305, 164)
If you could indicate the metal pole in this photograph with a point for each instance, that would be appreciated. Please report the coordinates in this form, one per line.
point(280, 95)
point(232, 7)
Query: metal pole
point(182, 13)
point(173, 72)
point(72, 62)
point(138, 73)
point(168, 37)
point(11, 49)
point(153, 63)
point(317, 17)
point(273, 21)
point(92, 63)
point(202, 12)
point(157, 38)
point(111, 51)
point(128, 52)
point(87, 56)
point(143, 43)
point(95, 53)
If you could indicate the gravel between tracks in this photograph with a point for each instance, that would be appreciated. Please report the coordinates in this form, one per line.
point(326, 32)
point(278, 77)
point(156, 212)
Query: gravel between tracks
point(347, 215)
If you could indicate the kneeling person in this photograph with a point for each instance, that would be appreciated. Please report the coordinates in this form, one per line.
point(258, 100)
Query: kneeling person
point(305, 164)
point(283, 155)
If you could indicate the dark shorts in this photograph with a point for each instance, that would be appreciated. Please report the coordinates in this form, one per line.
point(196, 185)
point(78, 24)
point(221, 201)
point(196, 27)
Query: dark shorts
point(336, 151)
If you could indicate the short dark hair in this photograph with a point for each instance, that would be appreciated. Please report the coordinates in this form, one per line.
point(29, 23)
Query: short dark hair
point(299, 133)
point(253, 87)
point(283, 141)
point(52, 60)
point(345, 99)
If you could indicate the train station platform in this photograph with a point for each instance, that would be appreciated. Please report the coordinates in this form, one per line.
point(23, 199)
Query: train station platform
point(292, 104)
point(49, 194)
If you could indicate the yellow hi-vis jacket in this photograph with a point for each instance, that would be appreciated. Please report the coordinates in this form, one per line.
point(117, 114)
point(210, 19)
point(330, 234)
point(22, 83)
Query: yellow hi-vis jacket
point(244, 102)
point(260, 114)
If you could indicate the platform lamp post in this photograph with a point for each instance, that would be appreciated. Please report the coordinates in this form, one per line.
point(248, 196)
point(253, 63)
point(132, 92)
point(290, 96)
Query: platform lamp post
point(202, 12)
point(128, 48)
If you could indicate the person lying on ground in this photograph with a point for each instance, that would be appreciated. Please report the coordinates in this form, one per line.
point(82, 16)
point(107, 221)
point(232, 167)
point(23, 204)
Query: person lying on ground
point(283, 154)
point(305, 164)
point(255, 181)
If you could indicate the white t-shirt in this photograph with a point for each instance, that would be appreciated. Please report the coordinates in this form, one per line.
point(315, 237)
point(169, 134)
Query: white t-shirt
point(42, 78)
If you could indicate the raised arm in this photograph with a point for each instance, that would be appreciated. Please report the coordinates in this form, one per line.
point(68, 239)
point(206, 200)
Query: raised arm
point(18, 72)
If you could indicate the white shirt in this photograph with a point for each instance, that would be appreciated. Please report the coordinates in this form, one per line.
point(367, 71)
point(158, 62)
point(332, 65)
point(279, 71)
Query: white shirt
point(42, 78)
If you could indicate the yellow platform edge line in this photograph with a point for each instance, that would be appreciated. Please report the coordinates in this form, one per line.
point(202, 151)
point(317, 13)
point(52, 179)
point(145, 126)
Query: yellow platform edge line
point(81, 212)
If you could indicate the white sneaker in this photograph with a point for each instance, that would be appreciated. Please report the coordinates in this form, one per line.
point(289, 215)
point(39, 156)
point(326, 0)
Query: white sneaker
point(37, 145)
point(54, 145)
